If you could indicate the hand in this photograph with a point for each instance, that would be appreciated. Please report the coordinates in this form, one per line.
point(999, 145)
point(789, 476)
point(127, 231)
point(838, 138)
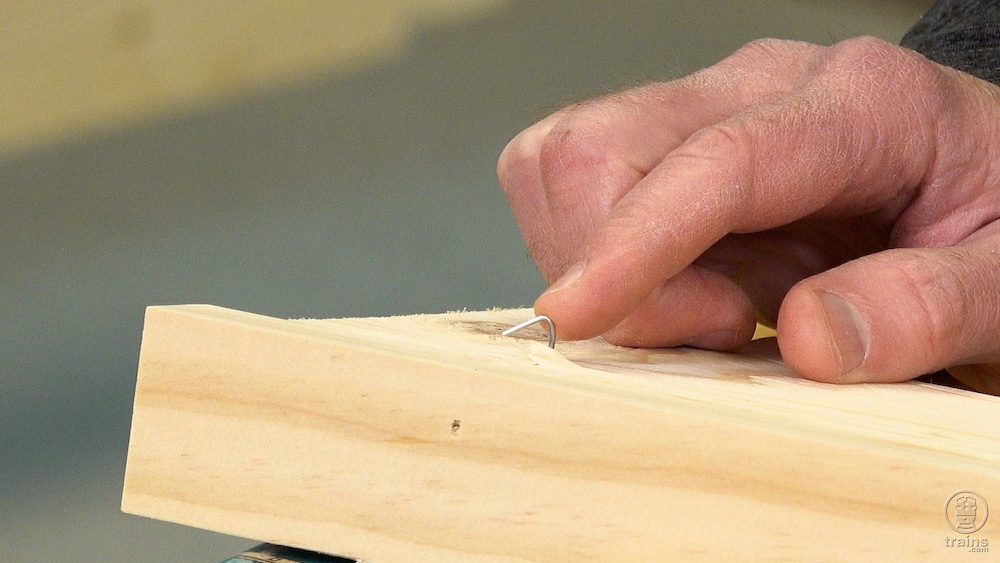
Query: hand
point(846, 194)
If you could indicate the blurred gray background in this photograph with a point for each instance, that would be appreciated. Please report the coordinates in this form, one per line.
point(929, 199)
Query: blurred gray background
point(354, 189)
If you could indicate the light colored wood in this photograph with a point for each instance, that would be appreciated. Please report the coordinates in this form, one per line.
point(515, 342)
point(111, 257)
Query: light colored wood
point(72, 67)
point(431, 438)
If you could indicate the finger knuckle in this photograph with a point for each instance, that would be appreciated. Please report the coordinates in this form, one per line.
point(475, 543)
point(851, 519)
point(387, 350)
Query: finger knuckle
point(882, 62)
point(721, 141)
point(863, 51)
point(570, 149)
point(862, 46)
point(727, 146)
point(724, 150)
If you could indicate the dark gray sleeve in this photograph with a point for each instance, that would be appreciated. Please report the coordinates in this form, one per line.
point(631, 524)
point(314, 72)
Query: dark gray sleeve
point(963, 34)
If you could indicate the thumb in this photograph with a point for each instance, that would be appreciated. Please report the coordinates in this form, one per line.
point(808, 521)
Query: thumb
point(894, 315)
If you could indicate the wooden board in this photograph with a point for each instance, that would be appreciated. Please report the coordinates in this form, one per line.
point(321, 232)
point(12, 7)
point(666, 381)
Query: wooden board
point(432, 438)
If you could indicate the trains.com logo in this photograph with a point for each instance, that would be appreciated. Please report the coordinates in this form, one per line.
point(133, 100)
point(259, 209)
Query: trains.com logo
point(966, 512)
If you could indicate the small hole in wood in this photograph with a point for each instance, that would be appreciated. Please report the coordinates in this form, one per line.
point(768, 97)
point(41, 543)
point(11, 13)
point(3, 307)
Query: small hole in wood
point(456, 425)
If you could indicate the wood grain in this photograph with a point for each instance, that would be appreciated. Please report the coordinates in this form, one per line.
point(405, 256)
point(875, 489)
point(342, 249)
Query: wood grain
point(431, 438)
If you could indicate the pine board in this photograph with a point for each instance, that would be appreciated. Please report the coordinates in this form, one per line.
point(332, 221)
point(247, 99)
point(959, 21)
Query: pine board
point(432, 438)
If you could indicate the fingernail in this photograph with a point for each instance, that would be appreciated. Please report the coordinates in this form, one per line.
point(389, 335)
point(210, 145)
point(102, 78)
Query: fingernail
point(847, 330)
point(571, 276)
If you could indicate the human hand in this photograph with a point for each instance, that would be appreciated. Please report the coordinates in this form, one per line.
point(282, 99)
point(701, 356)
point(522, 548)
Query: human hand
point(846, 194)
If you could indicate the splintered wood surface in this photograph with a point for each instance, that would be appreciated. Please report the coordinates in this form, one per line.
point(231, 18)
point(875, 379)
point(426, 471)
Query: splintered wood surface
point(432, 438)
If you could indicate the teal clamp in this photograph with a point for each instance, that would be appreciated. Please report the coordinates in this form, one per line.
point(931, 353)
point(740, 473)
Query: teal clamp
point(269, 553)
